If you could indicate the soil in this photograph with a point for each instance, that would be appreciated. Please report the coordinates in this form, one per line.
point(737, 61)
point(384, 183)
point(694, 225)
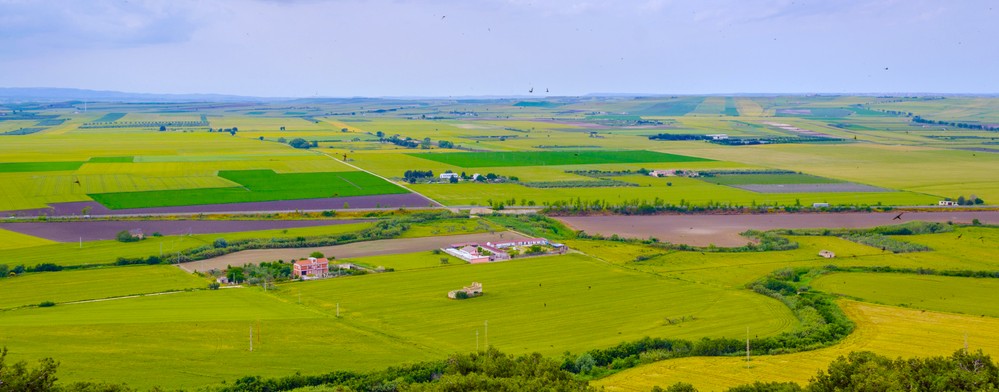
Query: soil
point(723, 230)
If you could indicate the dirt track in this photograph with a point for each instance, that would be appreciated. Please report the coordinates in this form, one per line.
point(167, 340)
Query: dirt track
point(357, 249)
point(723, 230)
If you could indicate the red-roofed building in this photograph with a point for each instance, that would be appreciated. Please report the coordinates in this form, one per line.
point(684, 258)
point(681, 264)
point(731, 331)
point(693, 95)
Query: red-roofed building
point(312, 268)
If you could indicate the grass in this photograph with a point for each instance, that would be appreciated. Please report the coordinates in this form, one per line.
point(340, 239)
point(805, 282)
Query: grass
point(745, 179)
point(15, 167)
point(69, 286)
point(257, 185)
point(105, 252)
point(672, 107)
point(886, 330)
point(178, 340)
point(14, 240)
point(688, 190)
point(407, 261)
point(939, 293)
point(552, 158)
point(111, 160)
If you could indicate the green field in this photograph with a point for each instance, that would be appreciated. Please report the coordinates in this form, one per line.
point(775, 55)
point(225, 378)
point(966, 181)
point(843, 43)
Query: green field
point(70, 286)
point(111, 159)
point(384, 320)
point(939, 293)
point(553, 158)
point(257, 185)
point(106, 252)
point(15, 167)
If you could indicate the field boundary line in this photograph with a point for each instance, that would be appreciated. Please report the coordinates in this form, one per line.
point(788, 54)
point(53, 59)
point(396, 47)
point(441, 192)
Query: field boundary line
point(439, 204)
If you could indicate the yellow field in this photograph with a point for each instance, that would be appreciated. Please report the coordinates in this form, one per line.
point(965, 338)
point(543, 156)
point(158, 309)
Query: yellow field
point(885, 330)
point(14, 240)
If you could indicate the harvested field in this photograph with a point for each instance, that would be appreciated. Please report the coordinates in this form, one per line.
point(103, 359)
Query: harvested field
point(723, 230)
point(358, 249)
point(332, 203)
point(810, 188)
point(106, 230)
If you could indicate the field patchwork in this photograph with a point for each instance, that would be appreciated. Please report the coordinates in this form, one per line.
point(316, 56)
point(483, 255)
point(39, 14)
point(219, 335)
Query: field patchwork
point(553, 158)
point(257, 185)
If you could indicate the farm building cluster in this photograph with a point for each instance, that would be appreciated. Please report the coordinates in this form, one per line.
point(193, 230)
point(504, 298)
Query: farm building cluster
point(475, 253)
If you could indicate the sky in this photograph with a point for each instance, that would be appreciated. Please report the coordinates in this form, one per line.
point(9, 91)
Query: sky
point(343, 48)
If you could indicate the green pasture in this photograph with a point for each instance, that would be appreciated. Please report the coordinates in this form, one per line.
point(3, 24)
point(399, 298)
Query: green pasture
point(257, 185)
point(14, 167)
point(553, 291)
point(938, 293)
point(179, 340)
point(552, 158)
point(81, 285)
point(108, 251)
point(174, 340)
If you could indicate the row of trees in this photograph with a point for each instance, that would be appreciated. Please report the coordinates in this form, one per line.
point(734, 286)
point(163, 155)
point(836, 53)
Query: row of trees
point(964, 125)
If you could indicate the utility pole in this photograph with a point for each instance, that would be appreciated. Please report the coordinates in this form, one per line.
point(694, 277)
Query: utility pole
point(476, 340)
point(81, 243)
point(747, 347)
point(487, 334)
point(251, 338)
point(337, 310)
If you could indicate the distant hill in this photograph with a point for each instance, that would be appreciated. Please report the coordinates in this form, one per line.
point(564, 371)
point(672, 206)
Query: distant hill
point(72, 94)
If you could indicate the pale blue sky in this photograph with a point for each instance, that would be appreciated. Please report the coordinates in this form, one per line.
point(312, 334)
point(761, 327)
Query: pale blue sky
point(500, 47)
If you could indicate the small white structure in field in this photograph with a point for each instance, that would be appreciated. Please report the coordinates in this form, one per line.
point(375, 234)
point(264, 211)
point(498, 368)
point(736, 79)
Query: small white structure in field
point(718, 136)
point(449, 175)
point(474, 290)
point(947, 203)
point(827, 254)
point(820, 205)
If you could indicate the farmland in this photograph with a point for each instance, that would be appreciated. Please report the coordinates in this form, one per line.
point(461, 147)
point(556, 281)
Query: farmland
point(647, 254)
point(952, 294)
point(257, 185)
point(554, 158)
point(398, 316)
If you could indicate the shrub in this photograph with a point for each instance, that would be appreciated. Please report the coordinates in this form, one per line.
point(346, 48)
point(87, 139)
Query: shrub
point(125, 236)
point(220, 243)
point(46, 304)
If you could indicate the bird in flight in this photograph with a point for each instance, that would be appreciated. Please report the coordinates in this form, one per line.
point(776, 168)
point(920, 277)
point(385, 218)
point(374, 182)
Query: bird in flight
point(531, 90)
point(546, 89)
point(898, 217)
point(77, 181)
